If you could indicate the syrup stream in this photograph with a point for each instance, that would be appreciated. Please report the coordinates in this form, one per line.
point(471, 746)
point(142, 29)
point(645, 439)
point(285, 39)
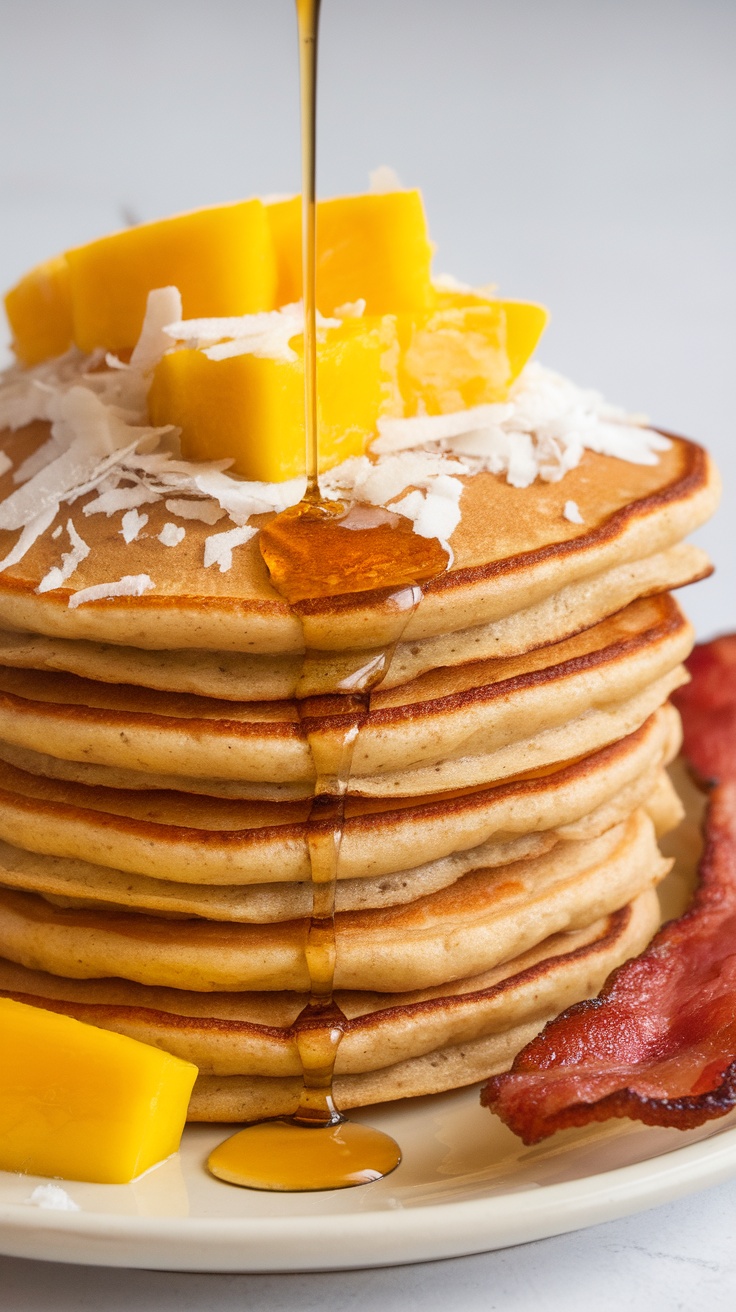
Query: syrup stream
point(316, 550)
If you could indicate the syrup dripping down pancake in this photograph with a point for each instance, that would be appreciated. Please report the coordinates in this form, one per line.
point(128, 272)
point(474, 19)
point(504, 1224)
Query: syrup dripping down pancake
point(237, 676)
point(69, 883)
point(395, 1045)
point(450, 715)
point(482, 920)
point(194, 841)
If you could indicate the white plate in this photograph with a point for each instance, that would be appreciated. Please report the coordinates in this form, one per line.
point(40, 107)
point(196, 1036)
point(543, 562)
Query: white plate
point(466, 1185)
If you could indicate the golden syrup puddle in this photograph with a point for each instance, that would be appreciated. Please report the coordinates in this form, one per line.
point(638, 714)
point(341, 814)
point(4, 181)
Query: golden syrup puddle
point(315, 550)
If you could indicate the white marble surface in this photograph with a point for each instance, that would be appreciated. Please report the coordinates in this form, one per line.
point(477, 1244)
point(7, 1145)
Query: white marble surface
point(574, 151)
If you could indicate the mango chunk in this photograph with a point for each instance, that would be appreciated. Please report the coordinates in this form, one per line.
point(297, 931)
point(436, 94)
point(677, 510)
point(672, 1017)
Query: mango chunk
point(84, 1103)
point(252, 409)
point(465, 352)
point(39, 310)
point(373, 247)
point(221, 259)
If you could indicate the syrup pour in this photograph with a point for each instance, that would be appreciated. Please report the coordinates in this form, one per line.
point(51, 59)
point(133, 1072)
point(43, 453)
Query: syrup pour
point(314, 551)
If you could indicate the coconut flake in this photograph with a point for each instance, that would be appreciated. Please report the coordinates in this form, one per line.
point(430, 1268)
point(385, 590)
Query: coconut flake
point(47, 452)
point(69, 562)
point(351, 309)
point(53, 1198)
point(131, 585)
point(5, 463)
point(121, 498)
point(384, 179)
point(131, 525)
point(31, 532)
point(266, 334)
point(171, 535)
point(572, 512)
point(218, 548)
point(436, 513)
point(408, 434)
point(206, 511)
point(241, 499)
point(162, 307)
point(379, 482)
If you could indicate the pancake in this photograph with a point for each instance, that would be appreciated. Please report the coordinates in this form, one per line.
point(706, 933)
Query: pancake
point(68, 883)
point(236, 676)
point(512, 550)
point(197, 841)
point(588, 733)
point(485, 918)
point(393, 1046)
point(451, 714)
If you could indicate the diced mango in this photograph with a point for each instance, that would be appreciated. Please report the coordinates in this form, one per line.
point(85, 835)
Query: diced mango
point(252, 409)
point(373, 247)
point(466, 352)
point(39, 311)
point(221, 259)
point(84, 1103)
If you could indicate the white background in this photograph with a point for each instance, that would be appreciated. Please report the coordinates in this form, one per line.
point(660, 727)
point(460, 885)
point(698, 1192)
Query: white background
point(579, 152)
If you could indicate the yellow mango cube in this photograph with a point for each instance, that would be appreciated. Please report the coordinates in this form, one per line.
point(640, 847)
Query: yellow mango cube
point(465, 352)
point(252, 409)
point(84, 1103)
point(373, 247)
point(39, 310)
point(221, 259)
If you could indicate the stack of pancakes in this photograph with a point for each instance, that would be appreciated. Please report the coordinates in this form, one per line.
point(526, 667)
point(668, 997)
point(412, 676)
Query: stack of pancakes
point(499, 853)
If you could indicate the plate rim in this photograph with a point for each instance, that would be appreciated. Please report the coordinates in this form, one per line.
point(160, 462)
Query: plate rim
point(383, 1236)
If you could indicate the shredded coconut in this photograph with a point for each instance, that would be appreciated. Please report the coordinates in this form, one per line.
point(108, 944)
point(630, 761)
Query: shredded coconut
point(384, 179)
point(171, 535)
point(101, 440)
point(53, 1197)
point(351, 310)
point(69, 562)
point(131, 585)
point(120, 498)
point(30, 534)
point(218, 549)
point(131, 525)
point(572, 512)
point(541, 431)
point(266, 335)
point(57, 532)
point(206, 511)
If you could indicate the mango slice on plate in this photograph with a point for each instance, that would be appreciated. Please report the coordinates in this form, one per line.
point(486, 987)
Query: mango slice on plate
point(373, 247)
point(252, 408)
point(467, 351)
point(84, 1103)
point(221, 259)
point(39, 310)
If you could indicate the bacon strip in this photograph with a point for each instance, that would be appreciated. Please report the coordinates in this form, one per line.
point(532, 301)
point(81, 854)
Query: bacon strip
point(659, 1043)
point(708, 709)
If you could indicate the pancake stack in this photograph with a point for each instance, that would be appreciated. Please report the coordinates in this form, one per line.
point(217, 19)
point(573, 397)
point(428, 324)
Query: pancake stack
point(499, 855)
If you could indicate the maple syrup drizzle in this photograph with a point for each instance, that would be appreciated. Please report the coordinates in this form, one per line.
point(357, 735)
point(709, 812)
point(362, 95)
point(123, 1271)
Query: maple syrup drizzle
point(315, 550)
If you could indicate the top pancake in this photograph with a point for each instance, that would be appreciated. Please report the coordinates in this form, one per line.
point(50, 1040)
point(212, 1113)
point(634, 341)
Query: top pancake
point(512, 549)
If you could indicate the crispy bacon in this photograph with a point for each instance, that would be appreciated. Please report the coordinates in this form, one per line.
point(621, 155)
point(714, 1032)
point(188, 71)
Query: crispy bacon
point(659, 1043)
point(708, 709)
